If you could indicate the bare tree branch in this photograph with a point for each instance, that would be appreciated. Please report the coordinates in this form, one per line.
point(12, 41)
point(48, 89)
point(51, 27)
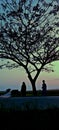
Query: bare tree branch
point(29, 34)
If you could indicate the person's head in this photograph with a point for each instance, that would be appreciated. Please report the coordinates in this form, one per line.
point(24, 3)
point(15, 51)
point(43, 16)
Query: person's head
point(43, 81)
point(23, 83)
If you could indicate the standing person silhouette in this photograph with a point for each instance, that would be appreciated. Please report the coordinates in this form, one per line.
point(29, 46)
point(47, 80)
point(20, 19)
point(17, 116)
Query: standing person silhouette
point(44, 88)
point(23, 89)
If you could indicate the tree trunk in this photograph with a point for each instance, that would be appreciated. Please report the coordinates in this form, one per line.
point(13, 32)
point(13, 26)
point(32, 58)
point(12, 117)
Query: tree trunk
point(34, 88)
point(32, 82)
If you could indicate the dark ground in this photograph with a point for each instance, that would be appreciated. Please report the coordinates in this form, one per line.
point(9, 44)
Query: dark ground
point(31, 120)
point(38, 120)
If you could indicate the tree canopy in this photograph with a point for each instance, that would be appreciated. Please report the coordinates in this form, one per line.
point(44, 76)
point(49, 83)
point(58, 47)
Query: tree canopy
point(29, 34)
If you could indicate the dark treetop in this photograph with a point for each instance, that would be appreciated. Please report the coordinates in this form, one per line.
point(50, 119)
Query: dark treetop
point(29, 34)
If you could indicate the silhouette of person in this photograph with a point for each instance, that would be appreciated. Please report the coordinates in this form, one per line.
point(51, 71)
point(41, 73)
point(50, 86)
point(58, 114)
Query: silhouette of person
point(44, 88)
point(23, 89)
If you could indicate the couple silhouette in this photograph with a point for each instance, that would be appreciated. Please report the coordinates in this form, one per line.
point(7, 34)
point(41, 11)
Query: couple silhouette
point(44, 89)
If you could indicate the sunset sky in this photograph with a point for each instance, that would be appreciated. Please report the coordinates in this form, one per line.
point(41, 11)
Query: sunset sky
point(13, 78)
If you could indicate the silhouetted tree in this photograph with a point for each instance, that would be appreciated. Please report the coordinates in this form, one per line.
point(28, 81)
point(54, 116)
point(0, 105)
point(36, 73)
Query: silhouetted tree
point(29, 35)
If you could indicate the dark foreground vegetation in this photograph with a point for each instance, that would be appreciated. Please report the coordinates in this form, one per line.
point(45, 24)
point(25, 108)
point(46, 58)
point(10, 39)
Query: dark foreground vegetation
point(38, 120)
point(47, 119)
point(16, 93)
point(39, 93)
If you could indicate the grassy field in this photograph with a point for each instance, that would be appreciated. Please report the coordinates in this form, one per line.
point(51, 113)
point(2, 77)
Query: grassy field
point(35, 119)
point(38, 120)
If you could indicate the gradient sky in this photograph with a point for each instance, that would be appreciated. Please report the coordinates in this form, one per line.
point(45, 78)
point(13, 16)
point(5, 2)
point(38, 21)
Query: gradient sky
point(14, 78)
